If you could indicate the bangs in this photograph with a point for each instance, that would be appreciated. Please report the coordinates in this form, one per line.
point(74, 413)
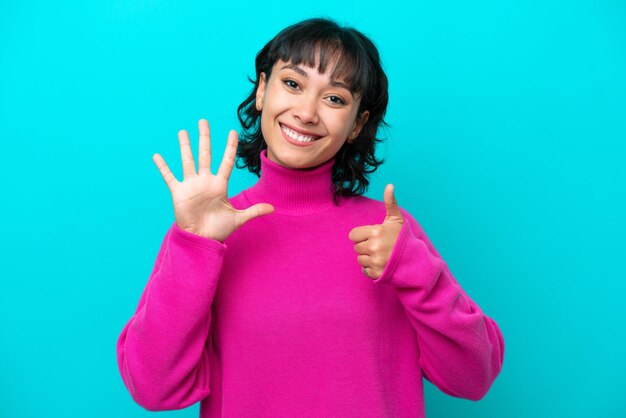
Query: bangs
point(350, 66)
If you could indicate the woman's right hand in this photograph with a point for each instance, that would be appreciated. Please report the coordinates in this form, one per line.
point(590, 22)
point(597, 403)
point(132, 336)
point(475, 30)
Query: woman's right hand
point(201, 203)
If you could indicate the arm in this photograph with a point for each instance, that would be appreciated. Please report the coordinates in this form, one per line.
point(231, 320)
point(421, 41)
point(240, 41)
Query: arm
point(461, 349)
point(163, 351)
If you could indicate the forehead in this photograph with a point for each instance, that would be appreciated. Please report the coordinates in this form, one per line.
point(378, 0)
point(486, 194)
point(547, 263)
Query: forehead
point(328, 57)
point(305, 69)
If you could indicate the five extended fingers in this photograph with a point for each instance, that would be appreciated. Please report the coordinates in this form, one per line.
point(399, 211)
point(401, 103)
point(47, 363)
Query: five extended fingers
point(204, 155)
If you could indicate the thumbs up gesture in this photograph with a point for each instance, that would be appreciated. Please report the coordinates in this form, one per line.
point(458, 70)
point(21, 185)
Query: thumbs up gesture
point(374, 243)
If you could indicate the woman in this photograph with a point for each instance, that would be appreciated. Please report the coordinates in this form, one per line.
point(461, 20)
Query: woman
point(299, 296)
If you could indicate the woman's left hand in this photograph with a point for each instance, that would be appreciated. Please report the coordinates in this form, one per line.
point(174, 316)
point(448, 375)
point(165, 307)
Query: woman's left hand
point(374, 243)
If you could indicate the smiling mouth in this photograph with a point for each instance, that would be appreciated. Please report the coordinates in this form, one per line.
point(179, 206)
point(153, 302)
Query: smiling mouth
point(297, 136)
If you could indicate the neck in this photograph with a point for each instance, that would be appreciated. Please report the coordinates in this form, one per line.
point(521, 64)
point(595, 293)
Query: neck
point(292, 191)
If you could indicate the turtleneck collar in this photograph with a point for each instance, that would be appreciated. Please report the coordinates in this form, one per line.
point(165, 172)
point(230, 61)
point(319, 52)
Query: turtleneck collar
point(291, 191)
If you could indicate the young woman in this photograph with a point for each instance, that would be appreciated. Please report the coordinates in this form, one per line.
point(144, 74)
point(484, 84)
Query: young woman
point(299, 297)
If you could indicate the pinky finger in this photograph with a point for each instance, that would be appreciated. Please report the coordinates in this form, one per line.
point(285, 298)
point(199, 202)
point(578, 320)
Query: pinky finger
point(167, 175)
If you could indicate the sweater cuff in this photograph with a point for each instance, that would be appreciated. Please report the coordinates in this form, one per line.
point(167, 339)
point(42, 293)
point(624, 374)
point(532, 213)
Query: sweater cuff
point(411, 263)
point(200, 241)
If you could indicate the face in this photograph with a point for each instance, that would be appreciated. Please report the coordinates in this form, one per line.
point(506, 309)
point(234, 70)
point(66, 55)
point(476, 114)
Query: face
point(306, 116)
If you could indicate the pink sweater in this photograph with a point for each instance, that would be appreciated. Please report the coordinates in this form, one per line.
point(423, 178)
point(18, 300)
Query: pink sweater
point(280, 321)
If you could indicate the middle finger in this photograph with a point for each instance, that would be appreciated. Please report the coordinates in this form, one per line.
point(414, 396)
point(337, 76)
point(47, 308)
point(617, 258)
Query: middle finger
point(362, 247)
point(204, 147)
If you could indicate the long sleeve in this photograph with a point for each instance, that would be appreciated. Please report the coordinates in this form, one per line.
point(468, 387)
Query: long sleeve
point(461, 349)
point(163, 351)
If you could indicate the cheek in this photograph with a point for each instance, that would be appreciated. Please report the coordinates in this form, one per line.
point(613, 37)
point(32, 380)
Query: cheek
point(266, 123)
point(275, 104)
point(342, 125)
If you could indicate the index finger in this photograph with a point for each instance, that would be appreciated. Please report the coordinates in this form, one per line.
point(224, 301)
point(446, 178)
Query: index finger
point(360, 233)
point(230, 155)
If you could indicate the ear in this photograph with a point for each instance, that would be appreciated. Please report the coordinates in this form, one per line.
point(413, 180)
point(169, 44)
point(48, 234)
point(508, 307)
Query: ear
point(260, 92)
point(358, 125)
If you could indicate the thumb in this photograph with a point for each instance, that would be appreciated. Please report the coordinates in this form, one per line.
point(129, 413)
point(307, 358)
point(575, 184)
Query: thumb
point(255, 211)
point(393, 210)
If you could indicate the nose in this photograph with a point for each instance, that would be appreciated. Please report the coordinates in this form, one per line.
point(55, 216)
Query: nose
point(305, 109)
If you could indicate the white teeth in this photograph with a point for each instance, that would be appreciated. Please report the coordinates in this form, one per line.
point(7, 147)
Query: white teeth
point(294, 135)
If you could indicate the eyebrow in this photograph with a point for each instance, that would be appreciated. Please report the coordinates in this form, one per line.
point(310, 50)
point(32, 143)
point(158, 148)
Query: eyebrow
point(303, 73)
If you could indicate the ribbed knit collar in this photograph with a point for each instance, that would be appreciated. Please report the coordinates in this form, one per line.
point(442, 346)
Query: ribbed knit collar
point(291, 191)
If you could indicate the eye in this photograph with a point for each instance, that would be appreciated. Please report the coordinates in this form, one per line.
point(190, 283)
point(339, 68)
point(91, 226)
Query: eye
point(337, 100)
point(291, 83)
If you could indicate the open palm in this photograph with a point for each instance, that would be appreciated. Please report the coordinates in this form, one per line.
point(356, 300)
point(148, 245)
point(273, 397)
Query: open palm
point(201, 203)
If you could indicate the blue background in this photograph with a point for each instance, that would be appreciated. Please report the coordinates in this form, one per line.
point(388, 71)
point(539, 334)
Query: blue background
point(507, 144)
